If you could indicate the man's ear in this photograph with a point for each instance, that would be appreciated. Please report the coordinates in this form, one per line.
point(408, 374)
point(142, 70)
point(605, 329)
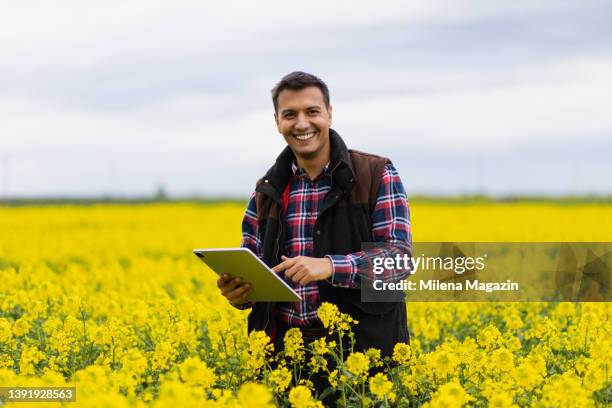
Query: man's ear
point(329, 112)
point(277, 124)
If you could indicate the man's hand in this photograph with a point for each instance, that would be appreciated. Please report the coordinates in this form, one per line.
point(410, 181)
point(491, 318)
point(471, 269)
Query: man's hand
point(303, 269)
point(234, 290)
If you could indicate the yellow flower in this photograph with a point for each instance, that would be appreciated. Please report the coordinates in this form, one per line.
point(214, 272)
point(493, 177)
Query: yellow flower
point(566, 391)
point(501, 400)
point(321, 347)
point(36, 309)
point(176, 393)
point(21, 326)
point(294, 345)
point(139, 312)
point(333, 378)
point(526, 376)
point(30, 356)
point(301, 397)
point(402, 353)
point(333, 320)
point(453, 391)
point(512, 343)
point(329, 314)
point(195, 372)
point(358, 364)
point(443, 363)
point(134, 362)
point(5, 330)
point(317, 363)
point(184, 333)
point(502, 359)
point(255, 396)
point(595, 379)
point(410, 383)
point(429, 329)
point(281, 377)
point(259, 349)
point(488, 337)
point(120, 317)
point(512, 318)
point(92, 377)
point(163, 355)
point(373, 355)
point(380, 386)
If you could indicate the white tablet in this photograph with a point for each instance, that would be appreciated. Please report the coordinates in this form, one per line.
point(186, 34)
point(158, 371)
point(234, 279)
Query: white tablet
point(241, 262)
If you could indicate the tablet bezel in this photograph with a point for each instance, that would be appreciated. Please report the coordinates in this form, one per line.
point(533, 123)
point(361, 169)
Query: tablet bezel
point(288, 296)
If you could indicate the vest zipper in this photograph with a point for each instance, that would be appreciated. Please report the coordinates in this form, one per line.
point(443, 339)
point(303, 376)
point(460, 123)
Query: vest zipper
point(278, 235)
point(332, 189)
point(280, 231)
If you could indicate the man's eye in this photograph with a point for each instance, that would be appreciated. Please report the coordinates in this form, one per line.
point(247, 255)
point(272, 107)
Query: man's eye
point(313, 112)
point(288, 115)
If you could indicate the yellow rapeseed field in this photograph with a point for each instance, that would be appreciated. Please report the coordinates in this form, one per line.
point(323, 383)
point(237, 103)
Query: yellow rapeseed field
point(110, 299)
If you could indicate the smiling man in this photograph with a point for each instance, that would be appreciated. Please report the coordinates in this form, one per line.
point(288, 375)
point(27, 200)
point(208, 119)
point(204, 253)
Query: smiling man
point(309, 216)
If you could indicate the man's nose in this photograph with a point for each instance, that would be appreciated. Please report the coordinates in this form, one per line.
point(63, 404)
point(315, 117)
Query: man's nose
point(302, 122)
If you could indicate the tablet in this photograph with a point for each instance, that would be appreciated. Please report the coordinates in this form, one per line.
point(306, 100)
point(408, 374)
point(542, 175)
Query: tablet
point(241, 262)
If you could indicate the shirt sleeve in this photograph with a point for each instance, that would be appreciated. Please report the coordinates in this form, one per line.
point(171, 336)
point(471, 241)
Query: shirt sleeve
point(390, 225)
point(250, 229)
point(250, 237)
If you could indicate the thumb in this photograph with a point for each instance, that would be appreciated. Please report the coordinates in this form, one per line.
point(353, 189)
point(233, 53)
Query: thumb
point(283, 258)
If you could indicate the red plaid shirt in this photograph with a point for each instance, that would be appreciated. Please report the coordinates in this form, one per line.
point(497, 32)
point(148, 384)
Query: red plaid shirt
point(390, 223)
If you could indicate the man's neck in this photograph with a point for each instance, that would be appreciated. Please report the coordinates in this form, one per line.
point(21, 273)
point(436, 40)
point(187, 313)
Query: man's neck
point(314, 166)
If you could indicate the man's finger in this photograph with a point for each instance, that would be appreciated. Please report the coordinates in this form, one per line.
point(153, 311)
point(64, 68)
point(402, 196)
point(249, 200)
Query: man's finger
point(241, 300)
point(305, 280)
point(287, 263)
point(244, 297)
point(222, 281)
point(293, 270)
point(281, 266)
point(238, 292)
point(229, 286)
point(299, 275)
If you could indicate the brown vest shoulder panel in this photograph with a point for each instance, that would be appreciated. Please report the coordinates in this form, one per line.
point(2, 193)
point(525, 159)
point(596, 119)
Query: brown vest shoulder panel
point(368, 169)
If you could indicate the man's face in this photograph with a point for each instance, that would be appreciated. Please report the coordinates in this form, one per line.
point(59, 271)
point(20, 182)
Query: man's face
point(304, 121)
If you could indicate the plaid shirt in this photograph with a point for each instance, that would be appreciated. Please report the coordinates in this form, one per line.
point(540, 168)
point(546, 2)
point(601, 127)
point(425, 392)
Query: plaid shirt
point(390, 224)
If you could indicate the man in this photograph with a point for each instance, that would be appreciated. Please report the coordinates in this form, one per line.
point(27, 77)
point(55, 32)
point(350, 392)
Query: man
point(309, 216)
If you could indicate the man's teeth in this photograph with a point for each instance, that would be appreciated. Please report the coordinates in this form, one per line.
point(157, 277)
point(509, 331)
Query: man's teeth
point(305, 136)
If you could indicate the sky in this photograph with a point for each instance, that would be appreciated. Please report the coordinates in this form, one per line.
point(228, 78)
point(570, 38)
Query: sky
point(465, 97)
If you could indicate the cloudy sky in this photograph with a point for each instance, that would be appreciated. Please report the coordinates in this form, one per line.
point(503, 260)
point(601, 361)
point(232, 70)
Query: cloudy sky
point(464, 96)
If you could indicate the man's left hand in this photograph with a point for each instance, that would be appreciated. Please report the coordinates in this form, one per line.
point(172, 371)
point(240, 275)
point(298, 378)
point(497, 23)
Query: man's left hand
point(304, 269)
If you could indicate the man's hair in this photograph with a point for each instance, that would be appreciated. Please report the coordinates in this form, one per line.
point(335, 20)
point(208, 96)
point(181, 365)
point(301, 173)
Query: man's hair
point(299, 80)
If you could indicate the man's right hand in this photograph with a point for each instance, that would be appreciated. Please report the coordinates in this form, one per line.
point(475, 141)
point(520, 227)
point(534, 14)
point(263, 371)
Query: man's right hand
point(234, 290)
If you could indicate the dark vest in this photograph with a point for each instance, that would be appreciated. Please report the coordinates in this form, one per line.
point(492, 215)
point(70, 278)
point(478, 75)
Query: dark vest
point(344, 222)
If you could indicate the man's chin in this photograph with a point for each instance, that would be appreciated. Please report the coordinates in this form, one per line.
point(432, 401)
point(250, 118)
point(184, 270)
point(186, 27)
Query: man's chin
point(304, 153)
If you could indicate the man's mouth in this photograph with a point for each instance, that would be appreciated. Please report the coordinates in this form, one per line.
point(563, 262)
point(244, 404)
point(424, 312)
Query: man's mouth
point(304, 136)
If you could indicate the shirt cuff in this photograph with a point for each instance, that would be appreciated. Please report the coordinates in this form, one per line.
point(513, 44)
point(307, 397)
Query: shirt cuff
point(343, 271)
point(243, 306)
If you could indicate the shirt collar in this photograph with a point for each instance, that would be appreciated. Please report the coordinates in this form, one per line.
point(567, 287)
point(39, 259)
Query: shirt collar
point(300, 172)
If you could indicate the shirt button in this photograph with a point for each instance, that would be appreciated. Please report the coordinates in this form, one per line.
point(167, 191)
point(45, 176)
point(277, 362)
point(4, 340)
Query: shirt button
point(318, 232)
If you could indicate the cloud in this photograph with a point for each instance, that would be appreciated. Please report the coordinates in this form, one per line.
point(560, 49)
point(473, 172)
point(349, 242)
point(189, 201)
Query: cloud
point(166, 93)
point(563, 101)
point(566, 100)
